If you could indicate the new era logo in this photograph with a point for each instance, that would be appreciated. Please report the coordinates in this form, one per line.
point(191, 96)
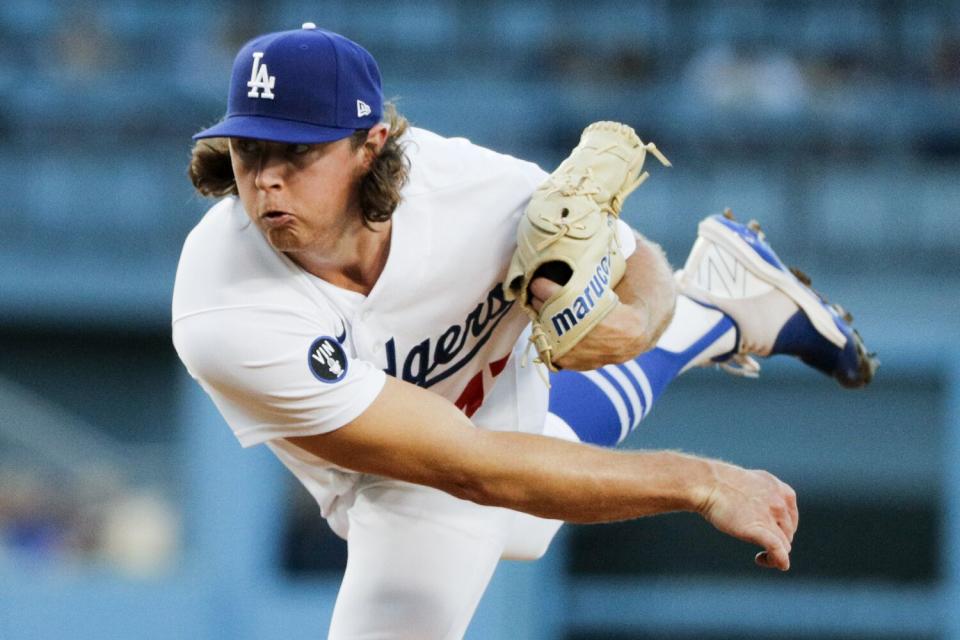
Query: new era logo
point(363, 109)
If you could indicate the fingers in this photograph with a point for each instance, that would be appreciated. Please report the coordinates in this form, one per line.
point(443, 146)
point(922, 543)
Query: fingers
point(776, 553)
point(785, 511)
point(768, 561)
point(790, 496)
point(778, 542)
point(758, 508)
point(540, 290)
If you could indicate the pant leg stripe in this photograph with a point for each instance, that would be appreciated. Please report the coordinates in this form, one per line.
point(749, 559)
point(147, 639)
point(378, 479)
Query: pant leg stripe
point(640, 378)
point(611, 394)
point(629, 390)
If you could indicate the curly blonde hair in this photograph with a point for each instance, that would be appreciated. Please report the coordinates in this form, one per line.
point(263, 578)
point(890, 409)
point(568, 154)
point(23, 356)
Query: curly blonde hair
point(211, 173)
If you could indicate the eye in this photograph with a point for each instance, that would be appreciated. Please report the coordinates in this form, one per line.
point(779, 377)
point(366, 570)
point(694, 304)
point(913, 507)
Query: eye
point(246, 145)
point(298, 149)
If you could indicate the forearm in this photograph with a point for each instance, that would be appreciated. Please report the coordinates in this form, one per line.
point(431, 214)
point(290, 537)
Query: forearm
point(560, 480)
point(416, 436)
point(648, 288)
point(413, 435)
point(555, 479)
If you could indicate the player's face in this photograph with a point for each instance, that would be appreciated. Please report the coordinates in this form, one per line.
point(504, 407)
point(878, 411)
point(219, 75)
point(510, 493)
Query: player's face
point(303, 196)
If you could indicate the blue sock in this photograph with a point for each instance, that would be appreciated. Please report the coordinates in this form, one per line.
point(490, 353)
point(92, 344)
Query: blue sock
point(602, 407)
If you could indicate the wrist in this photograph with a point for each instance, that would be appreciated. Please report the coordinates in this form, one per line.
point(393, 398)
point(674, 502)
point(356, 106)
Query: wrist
point(700, 481)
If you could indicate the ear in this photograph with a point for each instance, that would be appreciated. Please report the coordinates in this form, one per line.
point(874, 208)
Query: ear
point(376, 138)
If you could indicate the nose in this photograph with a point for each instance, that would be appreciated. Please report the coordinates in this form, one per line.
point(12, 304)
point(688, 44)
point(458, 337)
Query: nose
point(271, 171)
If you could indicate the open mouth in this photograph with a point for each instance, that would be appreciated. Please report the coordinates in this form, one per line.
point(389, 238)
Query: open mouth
point(276, 216)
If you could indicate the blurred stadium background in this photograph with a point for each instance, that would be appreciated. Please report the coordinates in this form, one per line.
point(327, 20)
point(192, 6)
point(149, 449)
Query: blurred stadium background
point(127, 510)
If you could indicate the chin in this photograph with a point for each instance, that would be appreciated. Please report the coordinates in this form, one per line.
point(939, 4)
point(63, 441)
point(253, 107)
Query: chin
point(283, 240)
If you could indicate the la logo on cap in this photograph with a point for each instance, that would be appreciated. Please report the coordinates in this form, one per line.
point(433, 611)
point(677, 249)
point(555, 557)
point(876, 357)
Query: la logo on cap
point(261, 82)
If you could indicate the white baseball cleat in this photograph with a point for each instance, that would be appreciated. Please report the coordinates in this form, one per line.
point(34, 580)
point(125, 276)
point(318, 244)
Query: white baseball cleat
point(732, 268)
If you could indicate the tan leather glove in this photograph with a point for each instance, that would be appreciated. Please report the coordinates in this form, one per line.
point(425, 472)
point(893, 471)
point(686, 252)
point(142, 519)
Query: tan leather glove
point(568, 234)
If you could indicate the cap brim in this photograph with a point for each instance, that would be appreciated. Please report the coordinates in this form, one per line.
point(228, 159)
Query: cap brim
point(273, 130)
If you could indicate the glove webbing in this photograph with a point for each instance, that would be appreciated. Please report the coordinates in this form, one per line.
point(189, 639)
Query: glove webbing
point(586, 186)
point(616, 202)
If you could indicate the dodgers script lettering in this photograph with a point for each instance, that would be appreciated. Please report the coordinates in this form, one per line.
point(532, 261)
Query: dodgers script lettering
point(424, 363)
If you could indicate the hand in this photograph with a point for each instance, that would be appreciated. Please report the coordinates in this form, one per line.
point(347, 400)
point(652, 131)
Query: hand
point(619, 337)
point(753, 506)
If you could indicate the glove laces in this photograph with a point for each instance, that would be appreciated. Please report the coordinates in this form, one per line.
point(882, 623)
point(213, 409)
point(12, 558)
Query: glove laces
point(525, 360)
point(585, 186)
point(617, 200)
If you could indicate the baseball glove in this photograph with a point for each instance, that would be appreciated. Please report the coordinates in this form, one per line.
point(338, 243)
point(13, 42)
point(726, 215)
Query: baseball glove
point(568, 234)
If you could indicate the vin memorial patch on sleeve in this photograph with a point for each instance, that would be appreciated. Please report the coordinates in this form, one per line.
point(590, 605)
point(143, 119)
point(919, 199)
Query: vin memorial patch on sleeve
point(327, 360)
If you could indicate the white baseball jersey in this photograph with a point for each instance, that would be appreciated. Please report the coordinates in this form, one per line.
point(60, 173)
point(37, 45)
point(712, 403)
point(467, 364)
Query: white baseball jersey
point(284, 353)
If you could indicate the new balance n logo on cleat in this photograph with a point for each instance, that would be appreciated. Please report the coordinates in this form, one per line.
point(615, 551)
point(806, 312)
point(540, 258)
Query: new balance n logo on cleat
point(722, 274)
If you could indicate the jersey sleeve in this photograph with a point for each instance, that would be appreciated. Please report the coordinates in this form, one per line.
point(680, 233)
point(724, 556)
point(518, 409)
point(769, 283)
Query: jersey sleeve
point(274, 373)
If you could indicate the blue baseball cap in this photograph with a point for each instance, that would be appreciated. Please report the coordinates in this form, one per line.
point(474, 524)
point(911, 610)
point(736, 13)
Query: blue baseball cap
point(300, 87)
